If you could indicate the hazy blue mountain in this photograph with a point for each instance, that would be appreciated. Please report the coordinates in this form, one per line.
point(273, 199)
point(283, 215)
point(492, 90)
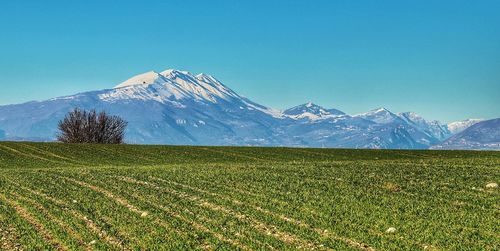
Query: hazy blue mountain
point(177, 107)
point(458, 126)
point(422, 132)
point(433, 128)
point(481, 135)
point(352, 132)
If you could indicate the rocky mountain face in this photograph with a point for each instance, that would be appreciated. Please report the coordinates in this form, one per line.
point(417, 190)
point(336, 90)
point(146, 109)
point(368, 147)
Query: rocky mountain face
point(177, 107)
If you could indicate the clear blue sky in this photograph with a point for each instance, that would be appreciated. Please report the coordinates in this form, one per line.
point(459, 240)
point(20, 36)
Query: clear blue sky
point(438, 58)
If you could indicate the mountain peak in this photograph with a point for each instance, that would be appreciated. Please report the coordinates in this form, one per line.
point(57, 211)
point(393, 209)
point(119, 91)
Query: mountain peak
point(141, 79)
point(171, 86)
point(170, 74)
point(379, 110)
point(459, 126)
point(174, 72)
point(379, 115)
point(306, 107)
point(311, 111)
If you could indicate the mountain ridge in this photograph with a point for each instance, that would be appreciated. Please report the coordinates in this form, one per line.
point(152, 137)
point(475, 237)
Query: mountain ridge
point(483, 135)
point(459, 126)
point(177, 107)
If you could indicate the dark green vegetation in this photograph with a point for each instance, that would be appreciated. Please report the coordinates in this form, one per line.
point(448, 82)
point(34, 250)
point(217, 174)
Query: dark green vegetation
point(136, 197)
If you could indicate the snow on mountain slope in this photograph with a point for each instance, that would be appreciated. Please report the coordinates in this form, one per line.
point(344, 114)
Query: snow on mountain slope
point(171, 85)
point(177, 107)
point(171, 107)
point(141, 79)
point(484, 135)
point(203, 87)
point(459, 126)
point(177, 87)
point(380, 115)
point(433, 128)
point(312, 112)
point(422, 131)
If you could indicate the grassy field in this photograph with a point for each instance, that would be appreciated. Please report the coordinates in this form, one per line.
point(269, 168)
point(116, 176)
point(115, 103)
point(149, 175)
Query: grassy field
point(65, 197)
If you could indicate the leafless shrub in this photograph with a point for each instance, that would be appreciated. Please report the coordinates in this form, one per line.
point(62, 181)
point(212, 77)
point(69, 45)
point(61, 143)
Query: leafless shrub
point(81, 126)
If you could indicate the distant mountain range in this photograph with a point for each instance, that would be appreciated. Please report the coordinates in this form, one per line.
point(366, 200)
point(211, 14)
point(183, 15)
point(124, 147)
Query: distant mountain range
point(483, 135)
point(458, 126)
point(177, 107)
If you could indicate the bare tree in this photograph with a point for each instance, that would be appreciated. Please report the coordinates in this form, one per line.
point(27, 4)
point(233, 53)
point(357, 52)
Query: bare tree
point(81, 126)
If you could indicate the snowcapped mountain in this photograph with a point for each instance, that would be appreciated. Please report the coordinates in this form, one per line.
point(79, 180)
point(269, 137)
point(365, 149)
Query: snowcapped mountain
point(312, 111)
point(380, 115)
point(484, 135)
point(141, 79)
point(171, 107)
point(459, 126)
point(421, 131)
point(177, 107)
point(433, 128)
point(175, 87)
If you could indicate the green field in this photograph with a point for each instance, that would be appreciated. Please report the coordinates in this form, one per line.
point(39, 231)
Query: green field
point(66, 197)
